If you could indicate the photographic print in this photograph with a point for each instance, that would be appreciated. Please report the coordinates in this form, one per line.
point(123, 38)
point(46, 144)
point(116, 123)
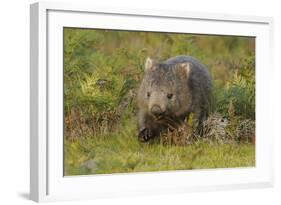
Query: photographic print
point(140, 101)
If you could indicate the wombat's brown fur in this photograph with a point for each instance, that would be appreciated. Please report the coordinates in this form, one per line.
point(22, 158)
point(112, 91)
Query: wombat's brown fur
point(169, 92)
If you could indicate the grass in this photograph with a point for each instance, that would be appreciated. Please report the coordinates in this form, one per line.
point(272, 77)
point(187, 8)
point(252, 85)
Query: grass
point(122, 153)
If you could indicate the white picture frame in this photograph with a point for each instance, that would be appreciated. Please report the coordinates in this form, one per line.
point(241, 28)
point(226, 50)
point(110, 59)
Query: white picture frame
point(47, 182)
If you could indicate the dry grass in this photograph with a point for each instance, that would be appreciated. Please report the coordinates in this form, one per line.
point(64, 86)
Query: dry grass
point(216, 129)
point(79, 124)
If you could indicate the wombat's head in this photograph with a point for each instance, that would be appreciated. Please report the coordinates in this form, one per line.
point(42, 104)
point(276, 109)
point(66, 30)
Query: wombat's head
point(164, 92)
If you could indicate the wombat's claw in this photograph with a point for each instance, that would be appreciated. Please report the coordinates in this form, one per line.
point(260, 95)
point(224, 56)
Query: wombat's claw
point(145, 135)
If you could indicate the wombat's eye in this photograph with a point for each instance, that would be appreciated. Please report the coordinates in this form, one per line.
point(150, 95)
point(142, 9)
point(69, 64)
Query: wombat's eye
point(169, 96)
point(148, 94)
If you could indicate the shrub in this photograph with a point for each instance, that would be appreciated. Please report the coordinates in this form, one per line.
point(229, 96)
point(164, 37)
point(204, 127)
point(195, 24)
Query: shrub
point(102, 70)
point(237, 96)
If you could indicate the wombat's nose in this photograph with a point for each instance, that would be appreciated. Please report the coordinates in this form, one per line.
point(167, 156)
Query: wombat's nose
point(156, 110)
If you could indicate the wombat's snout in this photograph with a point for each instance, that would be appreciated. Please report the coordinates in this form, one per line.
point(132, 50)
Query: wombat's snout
point(156, 110)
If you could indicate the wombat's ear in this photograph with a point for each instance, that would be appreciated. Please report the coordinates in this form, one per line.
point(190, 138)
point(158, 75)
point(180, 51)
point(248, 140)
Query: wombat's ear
point(148, 64)
point(183, 69)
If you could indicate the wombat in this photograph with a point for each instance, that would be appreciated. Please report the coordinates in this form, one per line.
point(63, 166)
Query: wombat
point(169, 92)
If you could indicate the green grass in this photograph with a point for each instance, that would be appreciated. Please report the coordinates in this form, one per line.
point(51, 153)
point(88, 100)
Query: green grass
point(122, 153)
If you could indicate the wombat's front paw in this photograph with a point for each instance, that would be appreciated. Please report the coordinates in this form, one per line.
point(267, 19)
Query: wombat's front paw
point(145, 135)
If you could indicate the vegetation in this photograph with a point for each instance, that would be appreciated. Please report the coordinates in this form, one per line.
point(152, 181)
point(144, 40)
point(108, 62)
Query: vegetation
point(102, 71)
